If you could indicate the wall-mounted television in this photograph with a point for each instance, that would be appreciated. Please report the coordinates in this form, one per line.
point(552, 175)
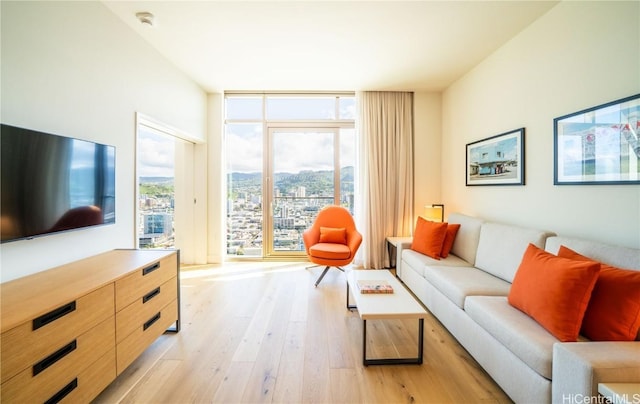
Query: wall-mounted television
point(52, 183)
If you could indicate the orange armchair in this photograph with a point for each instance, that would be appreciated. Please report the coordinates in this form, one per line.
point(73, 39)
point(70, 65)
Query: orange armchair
point(332, 240)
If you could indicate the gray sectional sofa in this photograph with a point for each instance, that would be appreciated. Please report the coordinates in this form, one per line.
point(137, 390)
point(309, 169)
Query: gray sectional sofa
point(468, 292)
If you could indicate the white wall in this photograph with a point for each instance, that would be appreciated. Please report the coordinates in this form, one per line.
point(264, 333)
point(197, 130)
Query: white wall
point(74, 69)
point(578, 55)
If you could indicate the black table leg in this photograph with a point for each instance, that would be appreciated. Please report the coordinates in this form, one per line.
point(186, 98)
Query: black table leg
point(393, 361)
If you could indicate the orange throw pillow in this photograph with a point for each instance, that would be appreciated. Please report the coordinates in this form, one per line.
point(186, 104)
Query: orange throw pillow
point(450, 237)
point(613, 313)
point(333, 235)
point(428, 237)
point(554, 291)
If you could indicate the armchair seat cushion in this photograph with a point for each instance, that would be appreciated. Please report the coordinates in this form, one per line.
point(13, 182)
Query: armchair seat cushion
point(330, 251)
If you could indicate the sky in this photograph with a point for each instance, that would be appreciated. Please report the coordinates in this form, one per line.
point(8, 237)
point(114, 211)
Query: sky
point(306, 151)
point(309, 151)
point(156, 153)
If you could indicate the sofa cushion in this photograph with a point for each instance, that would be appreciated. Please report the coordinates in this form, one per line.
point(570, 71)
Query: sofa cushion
point(501, 247)
point(616, 291)
point(515, 330)
point(419, 261)
point(465, 244)
point(554, 291)
point(459, 282)
point(428, 237)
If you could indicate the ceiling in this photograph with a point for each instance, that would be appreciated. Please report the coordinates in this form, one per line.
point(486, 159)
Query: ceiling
point(328, 45)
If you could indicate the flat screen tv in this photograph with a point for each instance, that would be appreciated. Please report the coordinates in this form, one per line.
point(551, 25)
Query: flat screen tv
point(52, 183)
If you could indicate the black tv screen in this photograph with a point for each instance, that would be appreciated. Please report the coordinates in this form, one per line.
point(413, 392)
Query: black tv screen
point(52, 183)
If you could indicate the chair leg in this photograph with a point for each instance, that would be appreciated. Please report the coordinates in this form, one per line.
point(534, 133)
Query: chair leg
point(322, 276)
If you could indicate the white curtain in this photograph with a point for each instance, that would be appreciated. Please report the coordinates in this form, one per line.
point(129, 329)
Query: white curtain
point(385, 126)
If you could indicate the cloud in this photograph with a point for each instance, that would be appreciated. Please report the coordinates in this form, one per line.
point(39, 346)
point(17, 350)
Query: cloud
point(156, 155)
point(293, 151)
point(311, 151)
point(244, 148)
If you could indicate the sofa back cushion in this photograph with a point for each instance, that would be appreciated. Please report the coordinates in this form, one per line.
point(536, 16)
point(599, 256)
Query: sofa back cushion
point(622, 257)
point(465, 245)
point(501, 247)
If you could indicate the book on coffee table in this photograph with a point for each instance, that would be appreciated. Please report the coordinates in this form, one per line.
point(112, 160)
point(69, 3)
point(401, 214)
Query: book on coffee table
point(374, 286)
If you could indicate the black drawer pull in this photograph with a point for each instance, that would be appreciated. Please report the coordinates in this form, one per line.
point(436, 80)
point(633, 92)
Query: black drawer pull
point(56, 398)
point(53, 315)
point(155, 292)
point(150, 268)
point(151, 321)
point(54, 357)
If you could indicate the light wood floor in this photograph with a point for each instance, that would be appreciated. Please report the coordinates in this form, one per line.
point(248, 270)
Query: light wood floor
point(261, 332)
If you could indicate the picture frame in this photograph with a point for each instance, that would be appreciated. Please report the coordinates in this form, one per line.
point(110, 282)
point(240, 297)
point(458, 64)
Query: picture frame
point(497, 160)
point(598, 145)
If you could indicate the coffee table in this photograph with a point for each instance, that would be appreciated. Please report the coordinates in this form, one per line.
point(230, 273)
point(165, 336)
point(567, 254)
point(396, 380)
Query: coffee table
point(373, 306)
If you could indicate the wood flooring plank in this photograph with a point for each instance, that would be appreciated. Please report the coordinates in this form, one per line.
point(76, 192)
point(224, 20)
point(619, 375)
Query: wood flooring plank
point(154, 385)
point(343, 388)
point(250, 344)
point(293, 349)
point(288, 387)
point(300, 295)
point(379, 341)
point(134, 373)
point(261, 383)
point(315, 375)
point(233, 384)
point(337, 315)
point(206, 348)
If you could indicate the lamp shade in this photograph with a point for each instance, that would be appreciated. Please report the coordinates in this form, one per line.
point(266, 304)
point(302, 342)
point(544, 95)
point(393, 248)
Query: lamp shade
point(434, 213)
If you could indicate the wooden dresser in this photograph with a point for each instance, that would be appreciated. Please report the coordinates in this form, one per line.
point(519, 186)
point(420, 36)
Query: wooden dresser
point(66, 333)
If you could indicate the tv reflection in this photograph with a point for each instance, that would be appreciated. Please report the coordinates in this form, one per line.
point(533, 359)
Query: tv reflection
point(81, 216)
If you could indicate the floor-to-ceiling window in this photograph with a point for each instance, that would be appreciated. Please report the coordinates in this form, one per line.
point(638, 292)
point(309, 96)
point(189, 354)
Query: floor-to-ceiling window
point(287, 156)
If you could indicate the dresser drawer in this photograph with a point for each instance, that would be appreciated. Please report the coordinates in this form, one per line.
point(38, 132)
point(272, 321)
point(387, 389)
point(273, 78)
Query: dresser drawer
point(131, 317)
point(137, 284)
point(147, 332)
point(30, 342)
point(53, 372)
point(89, 382)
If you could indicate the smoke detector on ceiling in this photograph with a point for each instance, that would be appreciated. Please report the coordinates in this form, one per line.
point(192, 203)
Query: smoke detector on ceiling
point(145, 17)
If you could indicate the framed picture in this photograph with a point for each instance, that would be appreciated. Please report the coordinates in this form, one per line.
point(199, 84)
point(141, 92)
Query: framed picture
point(599, 145)
point(498, 160)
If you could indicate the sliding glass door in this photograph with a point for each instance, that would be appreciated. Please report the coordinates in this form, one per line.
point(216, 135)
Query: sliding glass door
point(303, 177)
